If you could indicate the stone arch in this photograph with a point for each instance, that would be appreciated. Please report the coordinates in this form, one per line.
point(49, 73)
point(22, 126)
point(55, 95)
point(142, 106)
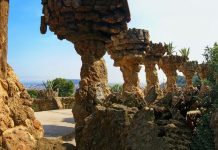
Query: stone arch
point(116, 71)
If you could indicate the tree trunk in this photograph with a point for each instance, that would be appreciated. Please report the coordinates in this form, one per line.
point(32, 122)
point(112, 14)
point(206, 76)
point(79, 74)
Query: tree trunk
point(4, 9)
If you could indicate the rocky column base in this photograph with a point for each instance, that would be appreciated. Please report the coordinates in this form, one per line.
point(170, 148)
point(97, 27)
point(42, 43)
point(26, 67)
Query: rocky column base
point(94, 82)
point(19, 129)
point(121, 127)
point(152, 78)
point(171, 83)
point(131, 88)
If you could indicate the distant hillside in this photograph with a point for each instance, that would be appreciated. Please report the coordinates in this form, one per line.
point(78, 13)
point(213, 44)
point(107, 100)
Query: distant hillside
point(39, 84)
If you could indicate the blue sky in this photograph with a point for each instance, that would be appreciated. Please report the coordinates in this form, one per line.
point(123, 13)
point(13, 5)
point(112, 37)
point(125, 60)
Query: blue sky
point(186, 23)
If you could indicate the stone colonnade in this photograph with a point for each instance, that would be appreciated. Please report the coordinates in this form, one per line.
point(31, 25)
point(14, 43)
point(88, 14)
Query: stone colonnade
point(81, 22)
point(98, 26)
point(128, 50)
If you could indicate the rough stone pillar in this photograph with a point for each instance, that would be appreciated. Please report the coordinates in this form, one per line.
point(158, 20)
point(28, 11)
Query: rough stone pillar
point(94, 83)
point(151, 59)
point(130, 69)
point(203, 70)
point(188, 77)
point(151, 76)
point(4, 9)
point(171, 79)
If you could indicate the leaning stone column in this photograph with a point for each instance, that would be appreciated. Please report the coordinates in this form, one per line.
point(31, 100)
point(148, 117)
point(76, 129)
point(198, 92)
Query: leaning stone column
point(189, 69)
point(130, 72)
point(4, 9)
point(94, 82)
point(169, 65)
point(127, 50)
point(151, 59)
point(203, 70)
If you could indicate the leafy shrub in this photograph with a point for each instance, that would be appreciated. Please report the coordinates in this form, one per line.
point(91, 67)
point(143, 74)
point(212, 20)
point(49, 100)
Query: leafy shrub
point(211, 56)
point(35, 108)
point(203, 139)
point(33, 93)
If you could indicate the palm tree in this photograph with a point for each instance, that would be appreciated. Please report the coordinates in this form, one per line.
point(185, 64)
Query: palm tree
point(185, 52)
point(4, 8)
point(116, 88)
point(170, 49)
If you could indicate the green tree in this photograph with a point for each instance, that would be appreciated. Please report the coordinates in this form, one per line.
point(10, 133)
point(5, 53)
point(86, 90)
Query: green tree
point(211, 56)
point(63, 86)
point(185, 52)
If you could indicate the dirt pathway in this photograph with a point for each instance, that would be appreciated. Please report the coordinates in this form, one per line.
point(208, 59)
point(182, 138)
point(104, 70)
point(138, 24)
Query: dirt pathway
point(57, 123)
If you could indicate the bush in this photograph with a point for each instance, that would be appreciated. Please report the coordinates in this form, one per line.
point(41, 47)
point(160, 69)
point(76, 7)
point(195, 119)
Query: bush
point(35, 108)
point(211, 56)
point(33, 93)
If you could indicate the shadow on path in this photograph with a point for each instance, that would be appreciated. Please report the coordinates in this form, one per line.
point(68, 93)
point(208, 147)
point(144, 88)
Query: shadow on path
point(68, 120)
point(56, 131)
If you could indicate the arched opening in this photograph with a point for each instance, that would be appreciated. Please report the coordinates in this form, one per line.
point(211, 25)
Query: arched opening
point(180, 81)
point(162, 78)
point(142, 78)
point(114, 74)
